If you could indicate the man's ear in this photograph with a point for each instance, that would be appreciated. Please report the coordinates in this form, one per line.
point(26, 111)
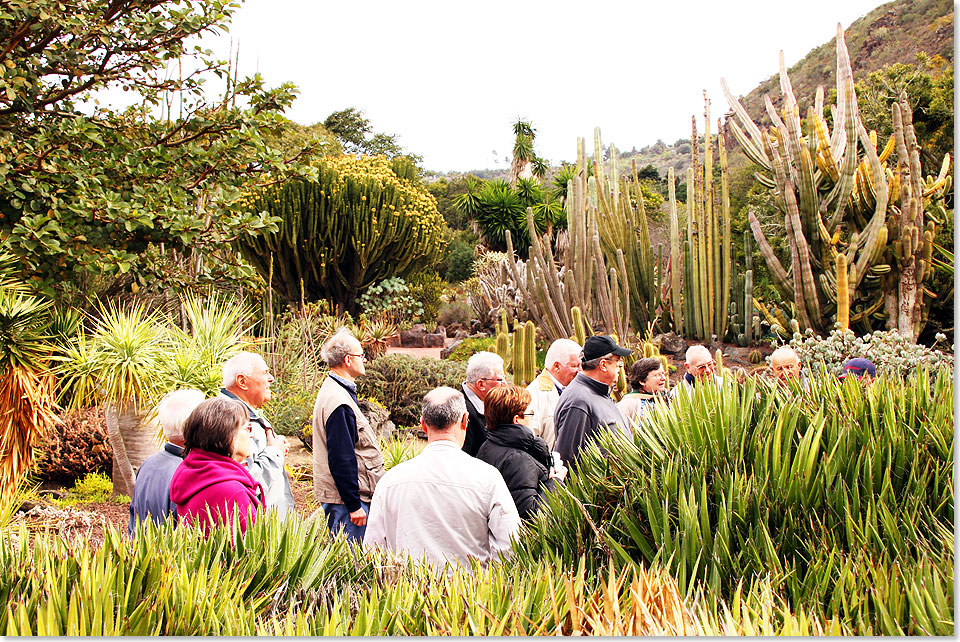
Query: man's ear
point(463, 421)
point(241, 382)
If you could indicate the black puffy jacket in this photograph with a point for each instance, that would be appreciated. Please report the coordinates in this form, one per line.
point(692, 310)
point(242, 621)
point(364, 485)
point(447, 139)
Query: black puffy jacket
point(524, 460)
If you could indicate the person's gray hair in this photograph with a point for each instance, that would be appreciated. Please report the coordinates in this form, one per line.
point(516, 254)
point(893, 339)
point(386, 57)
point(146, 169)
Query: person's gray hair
point(697, 349)
point(242, 363)
point(593, 364)
point(560, 350)
point(173, 410)
point(442, 408)
point(483, 365)
point(334, 352)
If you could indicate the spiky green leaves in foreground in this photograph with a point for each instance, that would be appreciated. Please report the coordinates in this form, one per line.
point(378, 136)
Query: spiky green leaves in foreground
point(842, 499)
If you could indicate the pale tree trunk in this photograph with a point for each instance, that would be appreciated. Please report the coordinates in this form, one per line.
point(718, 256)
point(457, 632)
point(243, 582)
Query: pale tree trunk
point(133, 440)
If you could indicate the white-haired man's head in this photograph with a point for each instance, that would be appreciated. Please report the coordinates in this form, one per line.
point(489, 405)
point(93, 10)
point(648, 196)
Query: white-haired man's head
point(699, 362)
point(247, 376)
point(785, 363)
point(484, 373)
point(173, 410)
point(563, 360)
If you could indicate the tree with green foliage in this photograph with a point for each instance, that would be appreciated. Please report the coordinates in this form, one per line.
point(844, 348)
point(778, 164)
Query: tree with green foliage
point(93, 194)
point(364, 219)
point(356, 134)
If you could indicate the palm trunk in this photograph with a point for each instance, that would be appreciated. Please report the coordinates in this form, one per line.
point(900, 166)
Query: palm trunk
point(132, 440)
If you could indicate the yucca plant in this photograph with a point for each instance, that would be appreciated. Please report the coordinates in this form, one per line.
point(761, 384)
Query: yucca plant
point(834, 495)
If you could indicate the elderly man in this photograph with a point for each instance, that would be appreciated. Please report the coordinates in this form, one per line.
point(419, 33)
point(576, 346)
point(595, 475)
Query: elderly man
point(484, 373)
point(151, 492)
point(700, 367)
point(560, 367)
point(247, 378)
point(444, 505)
point(347, 463)
point(785, 366)
point(585, 407)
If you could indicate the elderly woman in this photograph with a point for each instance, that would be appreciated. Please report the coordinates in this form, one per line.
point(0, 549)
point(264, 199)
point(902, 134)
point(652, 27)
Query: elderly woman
point(212, 485)
point(648, 382)
point(523, 459)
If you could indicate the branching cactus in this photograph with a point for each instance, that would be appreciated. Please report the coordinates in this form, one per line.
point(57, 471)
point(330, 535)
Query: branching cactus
point(838, 196)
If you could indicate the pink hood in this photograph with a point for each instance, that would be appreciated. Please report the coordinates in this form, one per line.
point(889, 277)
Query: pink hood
point(205, 479)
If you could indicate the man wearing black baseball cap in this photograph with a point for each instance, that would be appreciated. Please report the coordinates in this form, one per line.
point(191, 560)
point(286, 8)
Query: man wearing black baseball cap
point(585, 406)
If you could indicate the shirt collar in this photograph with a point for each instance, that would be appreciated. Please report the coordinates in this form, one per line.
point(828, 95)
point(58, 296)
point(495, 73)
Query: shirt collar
point(556, 383)
point(472, 396)
point(346, 383)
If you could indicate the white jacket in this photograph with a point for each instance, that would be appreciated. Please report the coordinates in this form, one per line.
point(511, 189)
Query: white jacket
point(544, 398)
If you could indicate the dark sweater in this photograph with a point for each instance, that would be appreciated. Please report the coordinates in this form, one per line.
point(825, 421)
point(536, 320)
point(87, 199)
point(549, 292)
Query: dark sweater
point(524, 462)
point(584, 409)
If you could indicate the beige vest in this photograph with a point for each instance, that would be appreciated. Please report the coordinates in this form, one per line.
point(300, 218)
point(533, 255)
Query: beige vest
point(369, 460)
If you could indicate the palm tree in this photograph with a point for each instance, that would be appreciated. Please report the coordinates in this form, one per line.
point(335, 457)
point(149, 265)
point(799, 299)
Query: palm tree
point(523, 154)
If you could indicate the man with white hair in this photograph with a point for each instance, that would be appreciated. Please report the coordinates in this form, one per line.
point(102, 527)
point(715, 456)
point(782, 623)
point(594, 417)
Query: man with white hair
point(700, 366)
point(785, 365)
point(444, 505)
point(347, 463)
point(151, 492)
point(560, 367)
point(247, 378)
point(484, 373)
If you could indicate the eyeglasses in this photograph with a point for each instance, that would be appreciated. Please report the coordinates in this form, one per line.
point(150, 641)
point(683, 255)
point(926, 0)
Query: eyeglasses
point(616, 360)
point(704, 366)
point(500, 379)
point(529, 414)
point(360, 356)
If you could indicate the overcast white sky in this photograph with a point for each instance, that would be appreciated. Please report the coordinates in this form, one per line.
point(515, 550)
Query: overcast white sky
point(450, 78)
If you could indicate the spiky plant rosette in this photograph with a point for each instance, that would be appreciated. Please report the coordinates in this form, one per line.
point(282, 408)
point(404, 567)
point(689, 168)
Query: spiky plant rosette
point(842, 497)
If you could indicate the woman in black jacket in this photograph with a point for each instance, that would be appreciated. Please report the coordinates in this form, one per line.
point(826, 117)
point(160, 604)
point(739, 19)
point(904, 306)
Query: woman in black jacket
point(523, 459)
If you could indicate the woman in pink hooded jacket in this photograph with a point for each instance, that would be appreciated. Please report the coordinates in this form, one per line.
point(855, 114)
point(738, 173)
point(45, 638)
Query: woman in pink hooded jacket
point(211, 485)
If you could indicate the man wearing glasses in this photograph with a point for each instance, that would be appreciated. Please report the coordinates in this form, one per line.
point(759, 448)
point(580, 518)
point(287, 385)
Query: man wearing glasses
point(484, 373)
point(700, 366)
point(347, 463)
point(585, 405)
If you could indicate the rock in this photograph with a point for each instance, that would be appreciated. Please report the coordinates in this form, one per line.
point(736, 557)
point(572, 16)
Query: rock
point(26, 506)
point(670, 343)
point(434, 340)
point(418, 327)
point(441, 331)
point(393, 340)
point(412, 338)
point(445, 353)
point(461, 334)
point(379, 418)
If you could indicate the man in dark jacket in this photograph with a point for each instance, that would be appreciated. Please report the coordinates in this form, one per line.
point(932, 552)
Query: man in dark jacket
point(151, 492)
point(484, 373)
point(585, 406)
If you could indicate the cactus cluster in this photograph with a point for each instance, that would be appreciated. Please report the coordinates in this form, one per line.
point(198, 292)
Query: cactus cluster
point(839, 197)
point(518, 348)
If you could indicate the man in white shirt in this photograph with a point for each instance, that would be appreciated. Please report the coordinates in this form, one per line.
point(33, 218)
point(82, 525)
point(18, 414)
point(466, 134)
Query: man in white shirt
point(443, 505)
point(561, 365)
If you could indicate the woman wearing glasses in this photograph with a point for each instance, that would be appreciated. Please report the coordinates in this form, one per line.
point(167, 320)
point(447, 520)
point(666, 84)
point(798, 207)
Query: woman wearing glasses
point(648, 382)
point(212, 485)
point(523, 459)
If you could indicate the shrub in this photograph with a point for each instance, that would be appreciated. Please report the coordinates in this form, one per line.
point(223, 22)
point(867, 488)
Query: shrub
point(455, 313)
point(290, 409)
point(460, 263)
point(94, 487)
point(893, 354)
point(393, 297)
point(400, 381)
point(78, 446)
point(466, 348)
point(427, 288)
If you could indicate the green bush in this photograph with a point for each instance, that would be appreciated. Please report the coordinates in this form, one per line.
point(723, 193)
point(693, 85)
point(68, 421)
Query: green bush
point(889, 351)
point(455, 313)
point(460, 263)
point(393, 297)
point(466, 348)
point(399, 382)
point(427, 288)
point(290, 409)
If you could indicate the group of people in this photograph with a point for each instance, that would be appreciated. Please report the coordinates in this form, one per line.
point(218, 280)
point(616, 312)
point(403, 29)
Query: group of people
point(494, 450)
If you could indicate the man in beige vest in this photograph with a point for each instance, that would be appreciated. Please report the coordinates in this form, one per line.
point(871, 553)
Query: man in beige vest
point(560, 367)
point(347, 463)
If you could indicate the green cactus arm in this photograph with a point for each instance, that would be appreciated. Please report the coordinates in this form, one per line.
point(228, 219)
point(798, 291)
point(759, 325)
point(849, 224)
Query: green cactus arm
point(879, 217)
point(675, 256)
point(755, 139)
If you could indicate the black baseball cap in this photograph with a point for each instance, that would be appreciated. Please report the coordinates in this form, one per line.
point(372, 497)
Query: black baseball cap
point(600, 345)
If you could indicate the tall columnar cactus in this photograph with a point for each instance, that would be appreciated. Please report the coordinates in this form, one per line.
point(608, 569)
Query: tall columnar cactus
point(708, 266)
point(587, 278)
point(529, 349)
point(838, 195)
point(843, 292)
